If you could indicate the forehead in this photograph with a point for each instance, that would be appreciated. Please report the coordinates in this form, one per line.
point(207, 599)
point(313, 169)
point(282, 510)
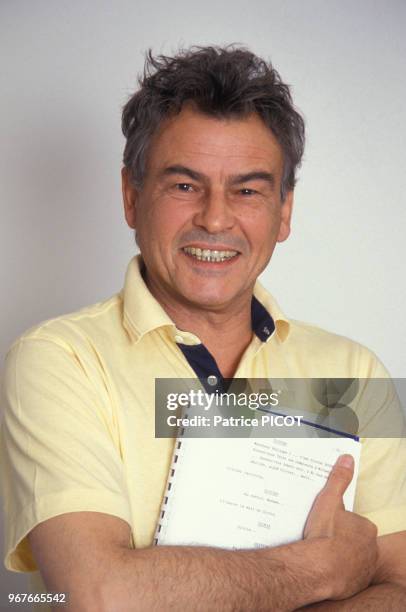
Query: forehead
point(213, 145)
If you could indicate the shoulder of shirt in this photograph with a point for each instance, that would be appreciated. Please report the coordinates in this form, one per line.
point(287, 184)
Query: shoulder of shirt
point(310, 343)
point(331, 347)
point(102, 316)
point(302, 330)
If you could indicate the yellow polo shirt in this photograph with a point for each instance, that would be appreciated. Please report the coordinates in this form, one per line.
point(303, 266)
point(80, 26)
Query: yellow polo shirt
point(79, 415)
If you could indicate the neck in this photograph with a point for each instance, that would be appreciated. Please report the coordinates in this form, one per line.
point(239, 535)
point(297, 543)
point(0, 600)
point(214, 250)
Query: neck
point(225, 335)
point(226, 332)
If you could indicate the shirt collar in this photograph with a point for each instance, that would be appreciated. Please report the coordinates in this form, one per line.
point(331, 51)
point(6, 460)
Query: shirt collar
point(268, 302)
point(142, 313)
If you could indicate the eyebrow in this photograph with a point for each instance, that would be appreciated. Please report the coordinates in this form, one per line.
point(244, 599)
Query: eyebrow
point(179, 169)
point(255, 175)
point(237, 179)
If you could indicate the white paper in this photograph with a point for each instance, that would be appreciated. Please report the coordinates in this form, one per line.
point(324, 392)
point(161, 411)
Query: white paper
point(247, 493)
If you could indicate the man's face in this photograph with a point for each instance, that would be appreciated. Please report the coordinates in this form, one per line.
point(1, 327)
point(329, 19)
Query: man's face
point(209, 213)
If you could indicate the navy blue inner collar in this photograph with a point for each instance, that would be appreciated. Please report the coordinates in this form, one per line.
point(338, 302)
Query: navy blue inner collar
point(203, 362)
point(261, 320)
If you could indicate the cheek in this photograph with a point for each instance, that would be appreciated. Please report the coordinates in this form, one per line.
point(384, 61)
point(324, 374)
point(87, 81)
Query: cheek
point(163, 222)
point(261, 227)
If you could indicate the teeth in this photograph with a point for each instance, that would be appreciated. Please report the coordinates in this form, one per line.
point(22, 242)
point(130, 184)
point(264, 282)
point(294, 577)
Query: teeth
point(209, 255)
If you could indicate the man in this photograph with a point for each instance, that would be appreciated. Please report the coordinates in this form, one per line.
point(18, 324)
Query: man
point(213, 143)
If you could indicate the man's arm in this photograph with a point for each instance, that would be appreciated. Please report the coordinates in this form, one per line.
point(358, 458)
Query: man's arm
point(388, 589)
point(88, 556)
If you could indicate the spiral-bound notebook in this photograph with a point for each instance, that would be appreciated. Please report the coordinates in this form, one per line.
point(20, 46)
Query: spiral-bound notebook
point(247, 492)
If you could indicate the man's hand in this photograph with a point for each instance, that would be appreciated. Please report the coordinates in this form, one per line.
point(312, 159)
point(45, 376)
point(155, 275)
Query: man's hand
point(353, 555)
point(388, 589)
point(391, 566)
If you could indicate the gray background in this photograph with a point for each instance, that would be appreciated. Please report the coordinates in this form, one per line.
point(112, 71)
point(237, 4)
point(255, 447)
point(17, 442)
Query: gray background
point(68, 67)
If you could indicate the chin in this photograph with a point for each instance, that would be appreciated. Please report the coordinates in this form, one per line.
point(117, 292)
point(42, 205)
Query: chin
point(208, 300)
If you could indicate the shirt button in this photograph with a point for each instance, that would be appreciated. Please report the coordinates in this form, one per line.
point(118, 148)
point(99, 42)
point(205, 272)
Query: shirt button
point(212, 380)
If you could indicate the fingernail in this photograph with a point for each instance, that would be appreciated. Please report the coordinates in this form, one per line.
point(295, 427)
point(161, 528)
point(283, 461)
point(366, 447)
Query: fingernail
point(345, 461)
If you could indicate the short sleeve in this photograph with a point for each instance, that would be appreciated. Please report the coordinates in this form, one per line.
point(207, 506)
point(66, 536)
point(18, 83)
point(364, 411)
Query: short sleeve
point(381, 487)
point(58, 449)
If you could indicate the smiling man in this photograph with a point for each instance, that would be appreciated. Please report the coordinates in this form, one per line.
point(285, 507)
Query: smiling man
point(207, 219)
point(213, 143)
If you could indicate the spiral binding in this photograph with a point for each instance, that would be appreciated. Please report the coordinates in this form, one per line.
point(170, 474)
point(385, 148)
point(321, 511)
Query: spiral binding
point(168, 485)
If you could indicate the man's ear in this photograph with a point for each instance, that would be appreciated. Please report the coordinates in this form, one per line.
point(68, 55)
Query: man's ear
point(130, 195)
point(286, 215)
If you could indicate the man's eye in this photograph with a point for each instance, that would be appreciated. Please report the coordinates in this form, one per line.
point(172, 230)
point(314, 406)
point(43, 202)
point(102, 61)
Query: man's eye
point(248, 192)
point(186, 187)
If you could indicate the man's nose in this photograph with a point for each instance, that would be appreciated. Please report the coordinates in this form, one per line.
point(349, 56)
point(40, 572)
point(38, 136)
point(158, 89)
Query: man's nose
point(215, 213)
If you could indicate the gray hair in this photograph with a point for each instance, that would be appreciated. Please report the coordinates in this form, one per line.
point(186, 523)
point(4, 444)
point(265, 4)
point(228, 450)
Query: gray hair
point(222, 82)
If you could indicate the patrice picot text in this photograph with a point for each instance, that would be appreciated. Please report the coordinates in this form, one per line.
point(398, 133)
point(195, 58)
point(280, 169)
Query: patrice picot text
point(199, 399)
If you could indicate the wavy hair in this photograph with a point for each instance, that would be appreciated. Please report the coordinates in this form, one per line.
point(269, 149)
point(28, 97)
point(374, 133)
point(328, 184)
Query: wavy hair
point(221, 82)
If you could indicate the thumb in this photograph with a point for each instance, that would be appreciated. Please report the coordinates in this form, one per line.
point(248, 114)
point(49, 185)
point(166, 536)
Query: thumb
point(340, 477)
point(330, 498)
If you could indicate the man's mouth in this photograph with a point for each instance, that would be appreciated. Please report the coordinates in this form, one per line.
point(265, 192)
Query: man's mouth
point(209, 254)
